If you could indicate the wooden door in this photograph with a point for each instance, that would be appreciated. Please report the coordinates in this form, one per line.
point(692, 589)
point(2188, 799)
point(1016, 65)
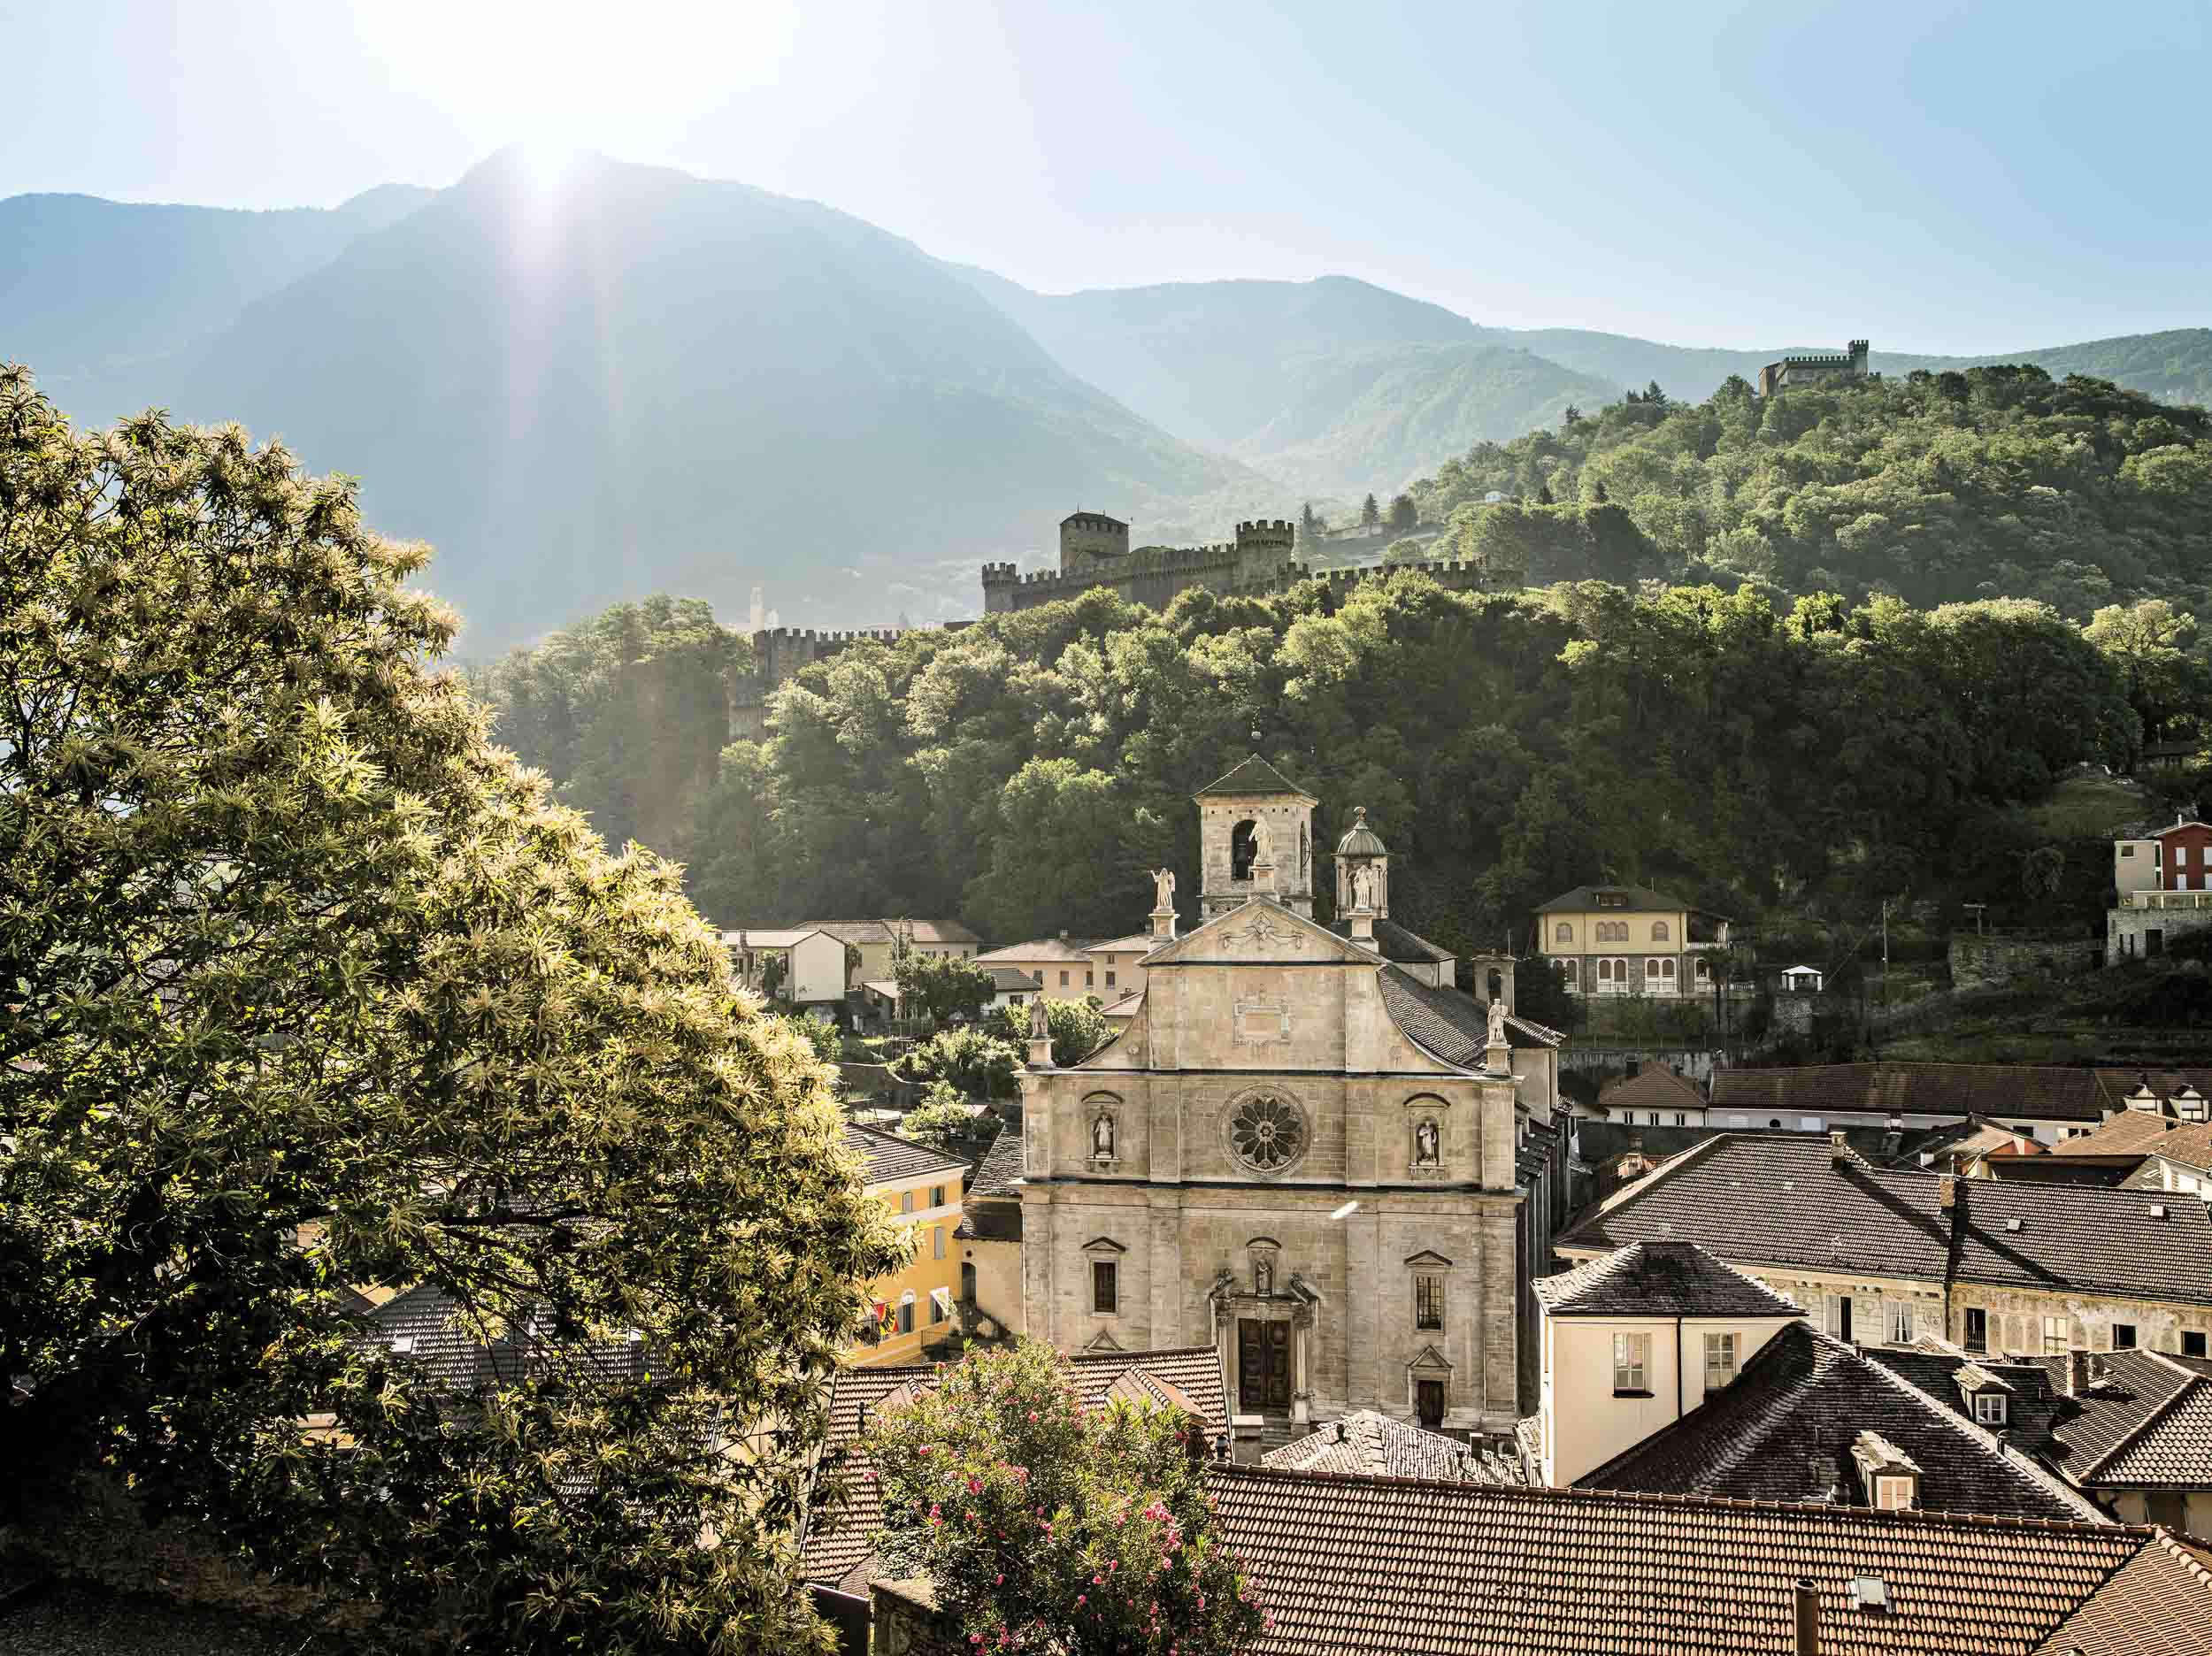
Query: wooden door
point(1262, 1366)
point(1428, 1401)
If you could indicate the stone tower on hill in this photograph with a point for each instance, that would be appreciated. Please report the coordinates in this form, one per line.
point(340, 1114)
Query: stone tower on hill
point(1095, 551)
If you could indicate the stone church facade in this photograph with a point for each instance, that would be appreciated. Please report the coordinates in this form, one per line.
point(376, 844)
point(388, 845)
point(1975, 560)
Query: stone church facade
point(1299, 1150)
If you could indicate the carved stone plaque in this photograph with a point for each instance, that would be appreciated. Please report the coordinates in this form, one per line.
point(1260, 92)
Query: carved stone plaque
point(1262, 1020)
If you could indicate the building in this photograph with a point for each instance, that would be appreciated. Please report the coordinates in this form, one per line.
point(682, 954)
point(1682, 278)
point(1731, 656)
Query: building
point(1375, 1445)
point(1296, 1152)
point(1845, 366)
point(1628, 941)
point(2180, 1162)
point(1358, 1566)
point(990, 1238)
point(1802, 979)
point(914, 1307)
point(2047, 1102)
point(1655, 1096)
point(878, 942)
point(1118, 965)
point(1892, 1256)
point(1013, 989)
point(1094, 552)
point(799, 964)
point(2160, 890)
point(1062, 965)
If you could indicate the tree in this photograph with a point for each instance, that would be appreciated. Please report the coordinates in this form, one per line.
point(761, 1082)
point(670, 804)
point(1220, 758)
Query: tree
point(1310, 523)
point(1544, 493)
point(945, 1121)
point(1405, 517)
point(2154, 645)
point(821, 1034)
point(1042, 1526)
point(1570, 416)
point(945, 985)
point(1370, 514)
point(978, 1062)
point(1078, 1029)
point(309, 985)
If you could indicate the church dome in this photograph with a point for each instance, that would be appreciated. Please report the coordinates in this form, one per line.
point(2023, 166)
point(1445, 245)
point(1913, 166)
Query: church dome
point(1361, 840)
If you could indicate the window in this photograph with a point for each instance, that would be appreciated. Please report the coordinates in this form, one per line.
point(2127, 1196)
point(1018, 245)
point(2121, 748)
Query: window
point(1900, 1323)
point(1976, 1328)
point(1428, 1302)
point(1704, 969)
point(1110, 980)
point(1651, 967)
point(1563, 933)
point(937, 1195)
point(1989, 1407)
point(1064, 980)
point(906, 1201)
point(1720, 1361)
point(1632, 1359)
point(1681, 1118)
point(1086, 979)
point(2192, 1345)
point(2127, 851)
point(940, 1305)
point(906, 1314)
point(1893, 1494)
point(1659, 931)
point(1605, 971)
point(1241, 850)
point(1666, 969)
point(937, 1242)
point(1105, 1292)
point(2058, 1336)
point(2124, 1337)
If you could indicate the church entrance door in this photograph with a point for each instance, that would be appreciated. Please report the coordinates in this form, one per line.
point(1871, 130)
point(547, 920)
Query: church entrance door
point(1262, 1366)
point(1428, 1402)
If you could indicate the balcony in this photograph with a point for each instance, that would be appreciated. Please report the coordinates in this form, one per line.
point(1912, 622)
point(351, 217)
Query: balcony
point(2166, 900)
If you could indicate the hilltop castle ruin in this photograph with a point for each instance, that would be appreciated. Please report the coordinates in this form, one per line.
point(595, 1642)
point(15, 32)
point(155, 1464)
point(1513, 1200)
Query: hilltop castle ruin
point(1847, 364)
point(1094, 552)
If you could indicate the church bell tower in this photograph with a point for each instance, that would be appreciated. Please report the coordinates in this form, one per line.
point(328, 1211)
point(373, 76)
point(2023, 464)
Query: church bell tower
point(1254, 822)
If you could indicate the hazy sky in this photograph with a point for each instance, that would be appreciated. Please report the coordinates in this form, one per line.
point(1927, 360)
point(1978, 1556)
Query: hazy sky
point(1939, 176)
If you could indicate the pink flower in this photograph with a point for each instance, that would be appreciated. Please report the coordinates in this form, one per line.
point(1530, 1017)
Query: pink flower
point(975, 1486)
point(936, 1513)
point(999, 1580)
point(1098, 1580)
point(1082, 1598)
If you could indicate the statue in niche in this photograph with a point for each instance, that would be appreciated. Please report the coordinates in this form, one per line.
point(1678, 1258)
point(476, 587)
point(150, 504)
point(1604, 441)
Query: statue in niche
point(1363, 888)
point(1425, 1143)
point(1163, 890)
point(1263, 1278)
point(1103, 1137)
point(1263, 847)
point(1039, 1024)
point(1305, 851)
point(1497, 1023)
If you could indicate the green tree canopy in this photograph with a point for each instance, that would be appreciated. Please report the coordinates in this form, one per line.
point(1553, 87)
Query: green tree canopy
point(943, 985)
point(978, 1062)
point(310, 987)
point(1078, 1029)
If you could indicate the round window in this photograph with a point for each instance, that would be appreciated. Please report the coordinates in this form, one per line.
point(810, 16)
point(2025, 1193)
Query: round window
point(1267, 1133)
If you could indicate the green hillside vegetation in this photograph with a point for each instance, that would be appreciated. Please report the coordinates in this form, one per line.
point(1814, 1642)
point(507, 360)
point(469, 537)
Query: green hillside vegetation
point(1935, 487)
point(1025, 772)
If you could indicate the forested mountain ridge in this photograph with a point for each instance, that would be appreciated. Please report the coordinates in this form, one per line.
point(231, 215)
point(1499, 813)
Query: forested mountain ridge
point(1506, 747)
point(1940, 487)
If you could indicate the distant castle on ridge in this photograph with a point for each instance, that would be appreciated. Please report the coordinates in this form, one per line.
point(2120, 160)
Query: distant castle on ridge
point(1849, 364)
point(1094, 552)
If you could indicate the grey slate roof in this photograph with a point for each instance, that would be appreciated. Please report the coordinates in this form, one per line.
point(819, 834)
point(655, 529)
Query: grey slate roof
point(1001, 1165)
point(1376, 1445)
point(889, 1156)
point(2144, 1418)
point(442, 1337)
point(1395, 943)
point(1006, 981)
point(1445, 1021)
point(2014, 1091)
point(1641, 899)
point(1253, 775)
point(1661, 1279)
point(1783, 1430)
point(2031, 1400)
point(2085, 1237)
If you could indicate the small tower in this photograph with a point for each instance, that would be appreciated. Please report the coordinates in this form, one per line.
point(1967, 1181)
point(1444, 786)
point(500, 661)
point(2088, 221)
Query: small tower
point(1090, 539)
point(1859, 349)
point(1362, 850)
point(1229, 813)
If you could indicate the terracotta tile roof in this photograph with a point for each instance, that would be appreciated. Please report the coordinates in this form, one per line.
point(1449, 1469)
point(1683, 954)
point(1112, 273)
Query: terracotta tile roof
point(840, 1548)
point(1642, 900)
point(1660, 1279)
point(1783, 1430)
point(858, 931)
point(1375, 1445)
point(1349, 1565)
point(2144, 1418)
point(889, 1156)
point(2159, 1603)
point(1654, 1087)
point(1135, 943)
point(1395, 943)
point(1782, 1200)
point(1074, 951)
point(2032, 1092)
point(1253, 775)
point(1445, 1021)
point(2191, 1145)
point(2131, 1132)
point(2119, 1084)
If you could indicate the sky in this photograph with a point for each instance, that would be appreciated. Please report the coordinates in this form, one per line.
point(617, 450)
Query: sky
point(1939, 177)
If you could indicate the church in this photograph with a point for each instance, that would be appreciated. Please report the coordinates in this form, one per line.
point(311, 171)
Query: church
point(1302, 1148)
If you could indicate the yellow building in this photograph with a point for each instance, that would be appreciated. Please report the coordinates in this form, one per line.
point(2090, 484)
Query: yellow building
point(1629, 939)
point(878, 941)
point(913, 1307)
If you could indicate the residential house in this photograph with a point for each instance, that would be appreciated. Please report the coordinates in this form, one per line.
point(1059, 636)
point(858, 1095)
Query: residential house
point(1117, 965)
point(1629, 939)
point(2161, 889)
point(2180, 1160)
point(1064, 965)
point(1889, 1255)
point(2044, 1102)
point(796, 963)
point(913, 1307)
point(877, 943)
point(1802, 979)
point(1010, 988)
point(2121, 1152)
point(1371, 1444)
point(1655, 1096)
point(990, 1238)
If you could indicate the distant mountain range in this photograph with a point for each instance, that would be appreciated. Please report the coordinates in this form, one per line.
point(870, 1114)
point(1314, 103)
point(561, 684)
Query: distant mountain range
point(647, 381)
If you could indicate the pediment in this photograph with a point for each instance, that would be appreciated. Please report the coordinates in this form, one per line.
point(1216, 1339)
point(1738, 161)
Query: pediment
point(1260, 930)
point(1431, 1359)
point(1104, 1245)
point(1103, 1341)
point(1427, 1257)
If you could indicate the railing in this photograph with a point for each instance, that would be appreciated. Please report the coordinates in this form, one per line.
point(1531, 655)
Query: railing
point(2166, 900)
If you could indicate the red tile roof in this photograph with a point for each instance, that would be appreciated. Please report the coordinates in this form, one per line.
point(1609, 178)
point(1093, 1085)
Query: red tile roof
point(1654, 1087)
point(2159, 1603)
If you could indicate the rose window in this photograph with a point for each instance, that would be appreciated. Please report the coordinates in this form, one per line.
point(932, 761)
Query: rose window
point(1267, 1133)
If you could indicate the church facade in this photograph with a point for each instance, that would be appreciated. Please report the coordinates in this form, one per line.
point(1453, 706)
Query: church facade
point(1301, 1149)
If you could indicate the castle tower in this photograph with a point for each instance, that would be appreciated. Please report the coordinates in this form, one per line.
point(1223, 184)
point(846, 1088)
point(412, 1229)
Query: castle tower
point(1090, 539)
point(1361, 849)
point(1264, 546)
point(1254, 802)
point(1859, 348)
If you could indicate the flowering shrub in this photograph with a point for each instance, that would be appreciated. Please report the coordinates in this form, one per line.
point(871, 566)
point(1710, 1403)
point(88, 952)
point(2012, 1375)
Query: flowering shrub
point(1044, 1527)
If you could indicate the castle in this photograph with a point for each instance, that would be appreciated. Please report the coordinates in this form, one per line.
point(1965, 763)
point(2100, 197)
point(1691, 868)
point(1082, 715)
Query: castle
point(1849, 364)
point(1094, 552)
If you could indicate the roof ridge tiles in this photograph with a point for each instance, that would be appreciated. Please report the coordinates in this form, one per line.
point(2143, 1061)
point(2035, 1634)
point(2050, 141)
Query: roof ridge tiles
point(2184, 1556)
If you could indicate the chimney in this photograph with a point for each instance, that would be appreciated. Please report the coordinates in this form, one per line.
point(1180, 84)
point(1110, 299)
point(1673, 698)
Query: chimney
point(1808, 1603)
point(2076, 1373)
point(1947, 1191)
point(1839, 1151)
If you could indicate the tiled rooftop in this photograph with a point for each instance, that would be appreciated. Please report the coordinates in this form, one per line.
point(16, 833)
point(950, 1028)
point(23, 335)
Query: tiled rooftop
point(1376, 1445)
point(858, 932)
point(2026, 1091)
point(1445, 1021)
point(428, 1326)
point(1001, 1165)
point(1655, 1086)
point(2145, 1417)
point(1394, 942)
point(1660, 1279)
point(1074, 951)
point(1349, 1565)
point(1253, 775)
point(2159, 1603)
point(889, 1156)
point(1642, 900)
point(2131, 1132)
point(1784, 1427)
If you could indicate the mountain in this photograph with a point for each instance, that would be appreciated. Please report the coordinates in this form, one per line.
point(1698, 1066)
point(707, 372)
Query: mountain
point(644, 381)
point(1333, 384)
point(89, 283)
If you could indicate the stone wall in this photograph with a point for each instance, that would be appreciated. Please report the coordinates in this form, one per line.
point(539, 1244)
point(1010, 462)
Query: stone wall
point(1606, 1063)
point(1991, 961)
point(2127, 931)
